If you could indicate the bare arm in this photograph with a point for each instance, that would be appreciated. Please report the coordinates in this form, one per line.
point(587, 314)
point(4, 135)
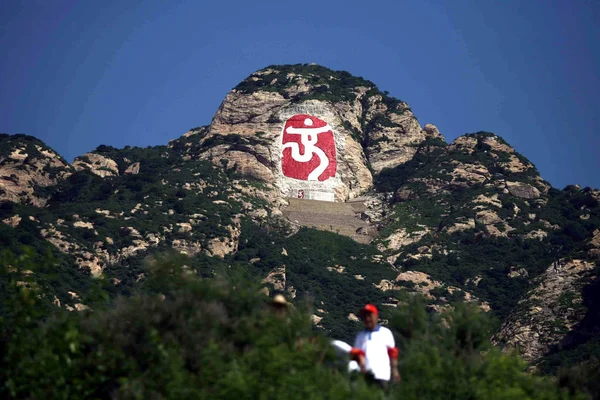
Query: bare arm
point(393, 353)
point(362, 363)
point(394, 367)
point(358, 355)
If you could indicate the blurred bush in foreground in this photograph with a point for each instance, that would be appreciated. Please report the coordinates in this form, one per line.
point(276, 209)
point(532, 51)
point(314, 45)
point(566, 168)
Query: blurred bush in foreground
point(182, 337)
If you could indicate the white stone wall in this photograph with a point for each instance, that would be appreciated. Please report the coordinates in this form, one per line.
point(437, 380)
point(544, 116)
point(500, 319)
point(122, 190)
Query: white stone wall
point(311, 194)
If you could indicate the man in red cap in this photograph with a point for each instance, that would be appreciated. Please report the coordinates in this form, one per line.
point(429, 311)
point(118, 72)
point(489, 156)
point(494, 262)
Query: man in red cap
point(375, 351)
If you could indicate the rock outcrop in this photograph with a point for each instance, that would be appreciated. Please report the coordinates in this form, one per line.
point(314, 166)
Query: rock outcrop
point(548, 312)
point(29, 170)
point(224, 245)
point(276, 278)
point(97, 164)
point(482, 164)
point(422, 283)
point(133, 169)
point(86, 260)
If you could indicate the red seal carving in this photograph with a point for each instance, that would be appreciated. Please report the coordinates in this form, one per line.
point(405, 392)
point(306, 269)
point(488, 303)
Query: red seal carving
point(308, 149)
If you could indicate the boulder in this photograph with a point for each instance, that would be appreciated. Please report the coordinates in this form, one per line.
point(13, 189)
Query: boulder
point(522, 190)
point(97, 164)
point(133, 169)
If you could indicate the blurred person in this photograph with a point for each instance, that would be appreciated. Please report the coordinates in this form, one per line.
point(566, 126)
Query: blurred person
point(375, 351)
point(279, 305)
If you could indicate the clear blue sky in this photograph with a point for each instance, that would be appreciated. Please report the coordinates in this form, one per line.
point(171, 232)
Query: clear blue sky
point(78, 74)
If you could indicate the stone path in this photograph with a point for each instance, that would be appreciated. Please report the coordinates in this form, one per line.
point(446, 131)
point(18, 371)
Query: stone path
point(342, 218)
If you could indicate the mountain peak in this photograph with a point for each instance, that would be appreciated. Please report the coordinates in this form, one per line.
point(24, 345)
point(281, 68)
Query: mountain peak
point(260, 130)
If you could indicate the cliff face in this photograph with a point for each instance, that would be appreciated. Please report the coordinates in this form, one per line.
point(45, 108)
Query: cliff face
point(467, 221)
point(549, 311)
point(371, 131)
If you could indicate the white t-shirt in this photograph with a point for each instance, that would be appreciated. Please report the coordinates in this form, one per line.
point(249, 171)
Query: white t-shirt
point(375, 344)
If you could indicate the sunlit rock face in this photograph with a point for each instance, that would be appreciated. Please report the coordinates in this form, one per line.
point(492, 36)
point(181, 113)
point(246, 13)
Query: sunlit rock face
point(29, 170)
point(313, 132)
point(548, 312)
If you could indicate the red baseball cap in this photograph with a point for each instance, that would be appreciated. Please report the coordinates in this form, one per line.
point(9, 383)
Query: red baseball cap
point(369, 308)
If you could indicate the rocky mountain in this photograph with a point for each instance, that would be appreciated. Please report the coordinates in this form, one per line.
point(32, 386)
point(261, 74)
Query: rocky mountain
point(330, 191)
point(29, 170)
point(373, 131)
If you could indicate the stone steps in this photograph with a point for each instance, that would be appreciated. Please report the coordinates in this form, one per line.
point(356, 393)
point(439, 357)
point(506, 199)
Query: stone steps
point(342, 218)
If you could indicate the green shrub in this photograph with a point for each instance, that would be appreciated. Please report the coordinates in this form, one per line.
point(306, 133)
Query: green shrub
point(187, 338)
point(449, 356)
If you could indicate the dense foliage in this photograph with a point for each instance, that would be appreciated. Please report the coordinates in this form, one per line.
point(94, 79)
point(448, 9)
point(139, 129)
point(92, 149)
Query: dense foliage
point(182, 337)
point(309, 253)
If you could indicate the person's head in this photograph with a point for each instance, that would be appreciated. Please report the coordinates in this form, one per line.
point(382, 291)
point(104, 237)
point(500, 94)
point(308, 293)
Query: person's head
point(279, 304)
point(369, 316)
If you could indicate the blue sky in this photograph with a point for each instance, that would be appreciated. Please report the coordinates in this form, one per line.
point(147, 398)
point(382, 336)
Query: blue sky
point(78, 74)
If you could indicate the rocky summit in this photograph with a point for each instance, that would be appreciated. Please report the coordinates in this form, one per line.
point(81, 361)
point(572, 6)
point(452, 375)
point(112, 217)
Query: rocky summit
point(328, 190)
point(371, 130)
